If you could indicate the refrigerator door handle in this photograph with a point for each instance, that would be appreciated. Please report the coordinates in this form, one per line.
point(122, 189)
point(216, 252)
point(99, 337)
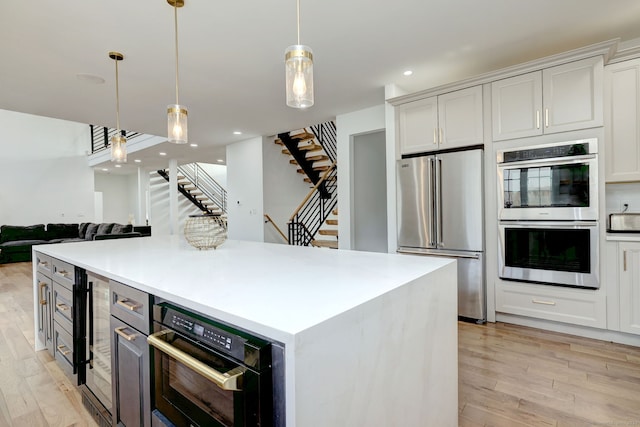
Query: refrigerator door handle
point(439, 237)
point(432, 203)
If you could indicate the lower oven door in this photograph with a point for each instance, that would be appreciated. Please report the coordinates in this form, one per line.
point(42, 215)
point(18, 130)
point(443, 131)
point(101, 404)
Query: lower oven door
point(557, 253)
point(195, 386)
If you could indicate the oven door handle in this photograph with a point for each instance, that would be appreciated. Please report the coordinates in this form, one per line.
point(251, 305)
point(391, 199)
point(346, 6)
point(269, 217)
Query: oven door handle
point(226, 381)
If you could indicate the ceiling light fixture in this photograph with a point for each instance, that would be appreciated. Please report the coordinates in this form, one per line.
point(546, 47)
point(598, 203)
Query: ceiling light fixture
point(299, 71)
point(176, 113)
point(118, 140)
point(408, 73)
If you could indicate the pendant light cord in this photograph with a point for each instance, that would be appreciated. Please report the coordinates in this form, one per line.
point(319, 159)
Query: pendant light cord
point(117, 98)
point(175, 10)
point(298, 18)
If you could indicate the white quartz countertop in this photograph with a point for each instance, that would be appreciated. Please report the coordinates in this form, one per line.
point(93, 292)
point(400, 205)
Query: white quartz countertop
point(270, 289)
point(624, 237)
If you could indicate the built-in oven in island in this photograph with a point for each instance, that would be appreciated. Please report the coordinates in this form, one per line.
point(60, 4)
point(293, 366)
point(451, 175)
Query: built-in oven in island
point(548, 214)
point(207, 373)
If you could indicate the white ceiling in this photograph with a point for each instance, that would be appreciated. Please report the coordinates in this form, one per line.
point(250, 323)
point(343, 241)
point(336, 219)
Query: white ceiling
point(232, 55)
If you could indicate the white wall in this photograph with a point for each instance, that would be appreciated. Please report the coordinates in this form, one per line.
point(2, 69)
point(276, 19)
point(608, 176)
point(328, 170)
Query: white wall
point(118, 196)
point(217, 172)
point(244, 190)
point(369, 192)
point(348, 125)
point(284, 189)
point(44, 172)
point(618, 194)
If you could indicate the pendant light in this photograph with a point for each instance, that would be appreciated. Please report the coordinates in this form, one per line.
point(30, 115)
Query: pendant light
point(118, 140)
point(176, 113)
point(299, 71)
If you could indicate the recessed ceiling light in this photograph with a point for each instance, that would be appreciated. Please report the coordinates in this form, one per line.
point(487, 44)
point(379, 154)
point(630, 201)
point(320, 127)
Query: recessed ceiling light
point(220, 161)
point(105, 170)
point(193, 145)
point(90, 78)
point(408, 72)
point(137, 160)
point(118, 166)
point(162, 153)
point(237, 132)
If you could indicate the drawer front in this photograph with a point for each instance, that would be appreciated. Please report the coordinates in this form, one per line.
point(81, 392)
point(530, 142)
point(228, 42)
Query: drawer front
point(63, 306)
point(63, 273)
point(63, 347)
point(44, 264)
point(583, 307)
point(130, 305)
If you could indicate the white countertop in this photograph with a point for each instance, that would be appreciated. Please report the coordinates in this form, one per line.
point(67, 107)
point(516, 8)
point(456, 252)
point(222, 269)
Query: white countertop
point(623, 237)
point(270, 289)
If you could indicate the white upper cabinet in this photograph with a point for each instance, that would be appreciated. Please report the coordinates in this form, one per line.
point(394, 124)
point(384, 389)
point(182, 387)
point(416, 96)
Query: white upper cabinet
point(622, 117)
point(447, 121)
point(557, 99)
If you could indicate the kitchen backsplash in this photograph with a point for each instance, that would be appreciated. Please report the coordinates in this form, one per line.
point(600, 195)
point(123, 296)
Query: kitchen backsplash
point(619, 194)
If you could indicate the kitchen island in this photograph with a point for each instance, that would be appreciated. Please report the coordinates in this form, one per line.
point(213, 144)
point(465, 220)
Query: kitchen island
point(370, 339)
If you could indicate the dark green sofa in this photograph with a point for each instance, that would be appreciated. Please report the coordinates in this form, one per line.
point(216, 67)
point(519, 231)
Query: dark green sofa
point(16, 241)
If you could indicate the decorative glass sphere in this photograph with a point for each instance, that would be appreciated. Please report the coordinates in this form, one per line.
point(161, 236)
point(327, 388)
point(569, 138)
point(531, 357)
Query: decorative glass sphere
point(205, 231)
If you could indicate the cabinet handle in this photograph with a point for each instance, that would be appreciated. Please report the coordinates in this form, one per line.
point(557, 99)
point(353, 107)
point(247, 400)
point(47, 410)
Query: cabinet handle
point(624, 260)
point(63, 352)
point(62, 307)
point(43, 301)
point(129, 306)
point(440, 135)
point(435, 136)
point(546, 117)
point(43, 264)
point(537, 119)
point(62, 273)
point(120, 331)
point(537, 301)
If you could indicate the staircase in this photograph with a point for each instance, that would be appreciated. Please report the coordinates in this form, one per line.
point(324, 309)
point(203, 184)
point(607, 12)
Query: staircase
point(314, 154)
point(200, 188)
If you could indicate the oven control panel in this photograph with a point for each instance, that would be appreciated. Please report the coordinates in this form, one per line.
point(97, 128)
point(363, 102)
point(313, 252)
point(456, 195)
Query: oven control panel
point(206, 333)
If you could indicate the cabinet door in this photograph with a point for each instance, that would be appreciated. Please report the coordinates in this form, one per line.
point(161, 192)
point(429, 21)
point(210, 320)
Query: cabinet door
point(573, 95)
point(131, 377)
point(417, 126)
point(629, 276)
point(622, 118)
point(516, 105)
point(460, 118)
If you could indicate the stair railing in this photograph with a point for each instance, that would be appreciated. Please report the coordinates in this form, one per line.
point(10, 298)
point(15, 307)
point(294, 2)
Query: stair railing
point(269, 219)
point(326, 135)
point(101, 137)
point(307, 219)
point(205, 183)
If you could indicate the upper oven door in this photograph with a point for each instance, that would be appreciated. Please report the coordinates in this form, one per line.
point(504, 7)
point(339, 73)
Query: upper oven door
point(549, 189)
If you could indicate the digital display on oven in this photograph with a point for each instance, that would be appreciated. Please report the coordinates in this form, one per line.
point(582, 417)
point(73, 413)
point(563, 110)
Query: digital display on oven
point(198, 329)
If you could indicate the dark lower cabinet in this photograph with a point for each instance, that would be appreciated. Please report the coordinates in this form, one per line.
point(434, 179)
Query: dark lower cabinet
point(131, 379)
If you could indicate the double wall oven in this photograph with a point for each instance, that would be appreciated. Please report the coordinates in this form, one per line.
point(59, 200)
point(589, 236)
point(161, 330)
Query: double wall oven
point(548, 214)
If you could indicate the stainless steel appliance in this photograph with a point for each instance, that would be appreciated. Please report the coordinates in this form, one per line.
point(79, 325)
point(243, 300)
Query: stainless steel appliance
point(552, 252)
point(441, 213)
point(556, 181)
point(548, 211)
point(624, 223)
point(209, 374)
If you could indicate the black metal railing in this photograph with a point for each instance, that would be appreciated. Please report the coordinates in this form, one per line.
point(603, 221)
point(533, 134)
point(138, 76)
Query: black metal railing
point(101, 137)
point(325, 133)
point(314, 210)
point(205, 183)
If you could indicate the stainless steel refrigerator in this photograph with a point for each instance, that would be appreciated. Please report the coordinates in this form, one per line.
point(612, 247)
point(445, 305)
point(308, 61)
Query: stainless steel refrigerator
point(440, 213)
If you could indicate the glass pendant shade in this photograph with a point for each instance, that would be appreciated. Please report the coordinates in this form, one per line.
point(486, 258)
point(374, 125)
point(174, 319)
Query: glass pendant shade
point(177, 124)
point(299, 76)
point(118, 148)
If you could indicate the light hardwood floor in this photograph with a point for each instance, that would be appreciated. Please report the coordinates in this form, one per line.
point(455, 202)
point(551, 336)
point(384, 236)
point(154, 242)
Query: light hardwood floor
point(508, 375)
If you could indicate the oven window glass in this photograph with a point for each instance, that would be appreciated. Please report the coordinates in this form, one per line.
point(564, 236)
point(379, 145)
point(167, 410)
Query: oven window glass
point(548, 249)
point(194, 396)
point(547, 186)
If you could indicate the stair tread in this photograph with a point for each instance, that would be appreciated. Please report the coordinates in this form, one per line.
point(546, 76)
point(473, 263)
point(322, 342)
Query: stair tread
point(321, 168)
point(293, 161)
point(300, 171)
point(333, 244)
point(332, 221)
point(328, 232)
point(334, 212)
point(310, 147)
point(317, 158)
point(286, 151)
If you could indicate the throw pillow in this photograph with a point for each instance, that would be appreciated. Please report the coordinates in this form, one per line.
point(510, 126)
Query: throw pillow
point(82, 229)
point(92, 230)
point(121, 229)
point(104, 228)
